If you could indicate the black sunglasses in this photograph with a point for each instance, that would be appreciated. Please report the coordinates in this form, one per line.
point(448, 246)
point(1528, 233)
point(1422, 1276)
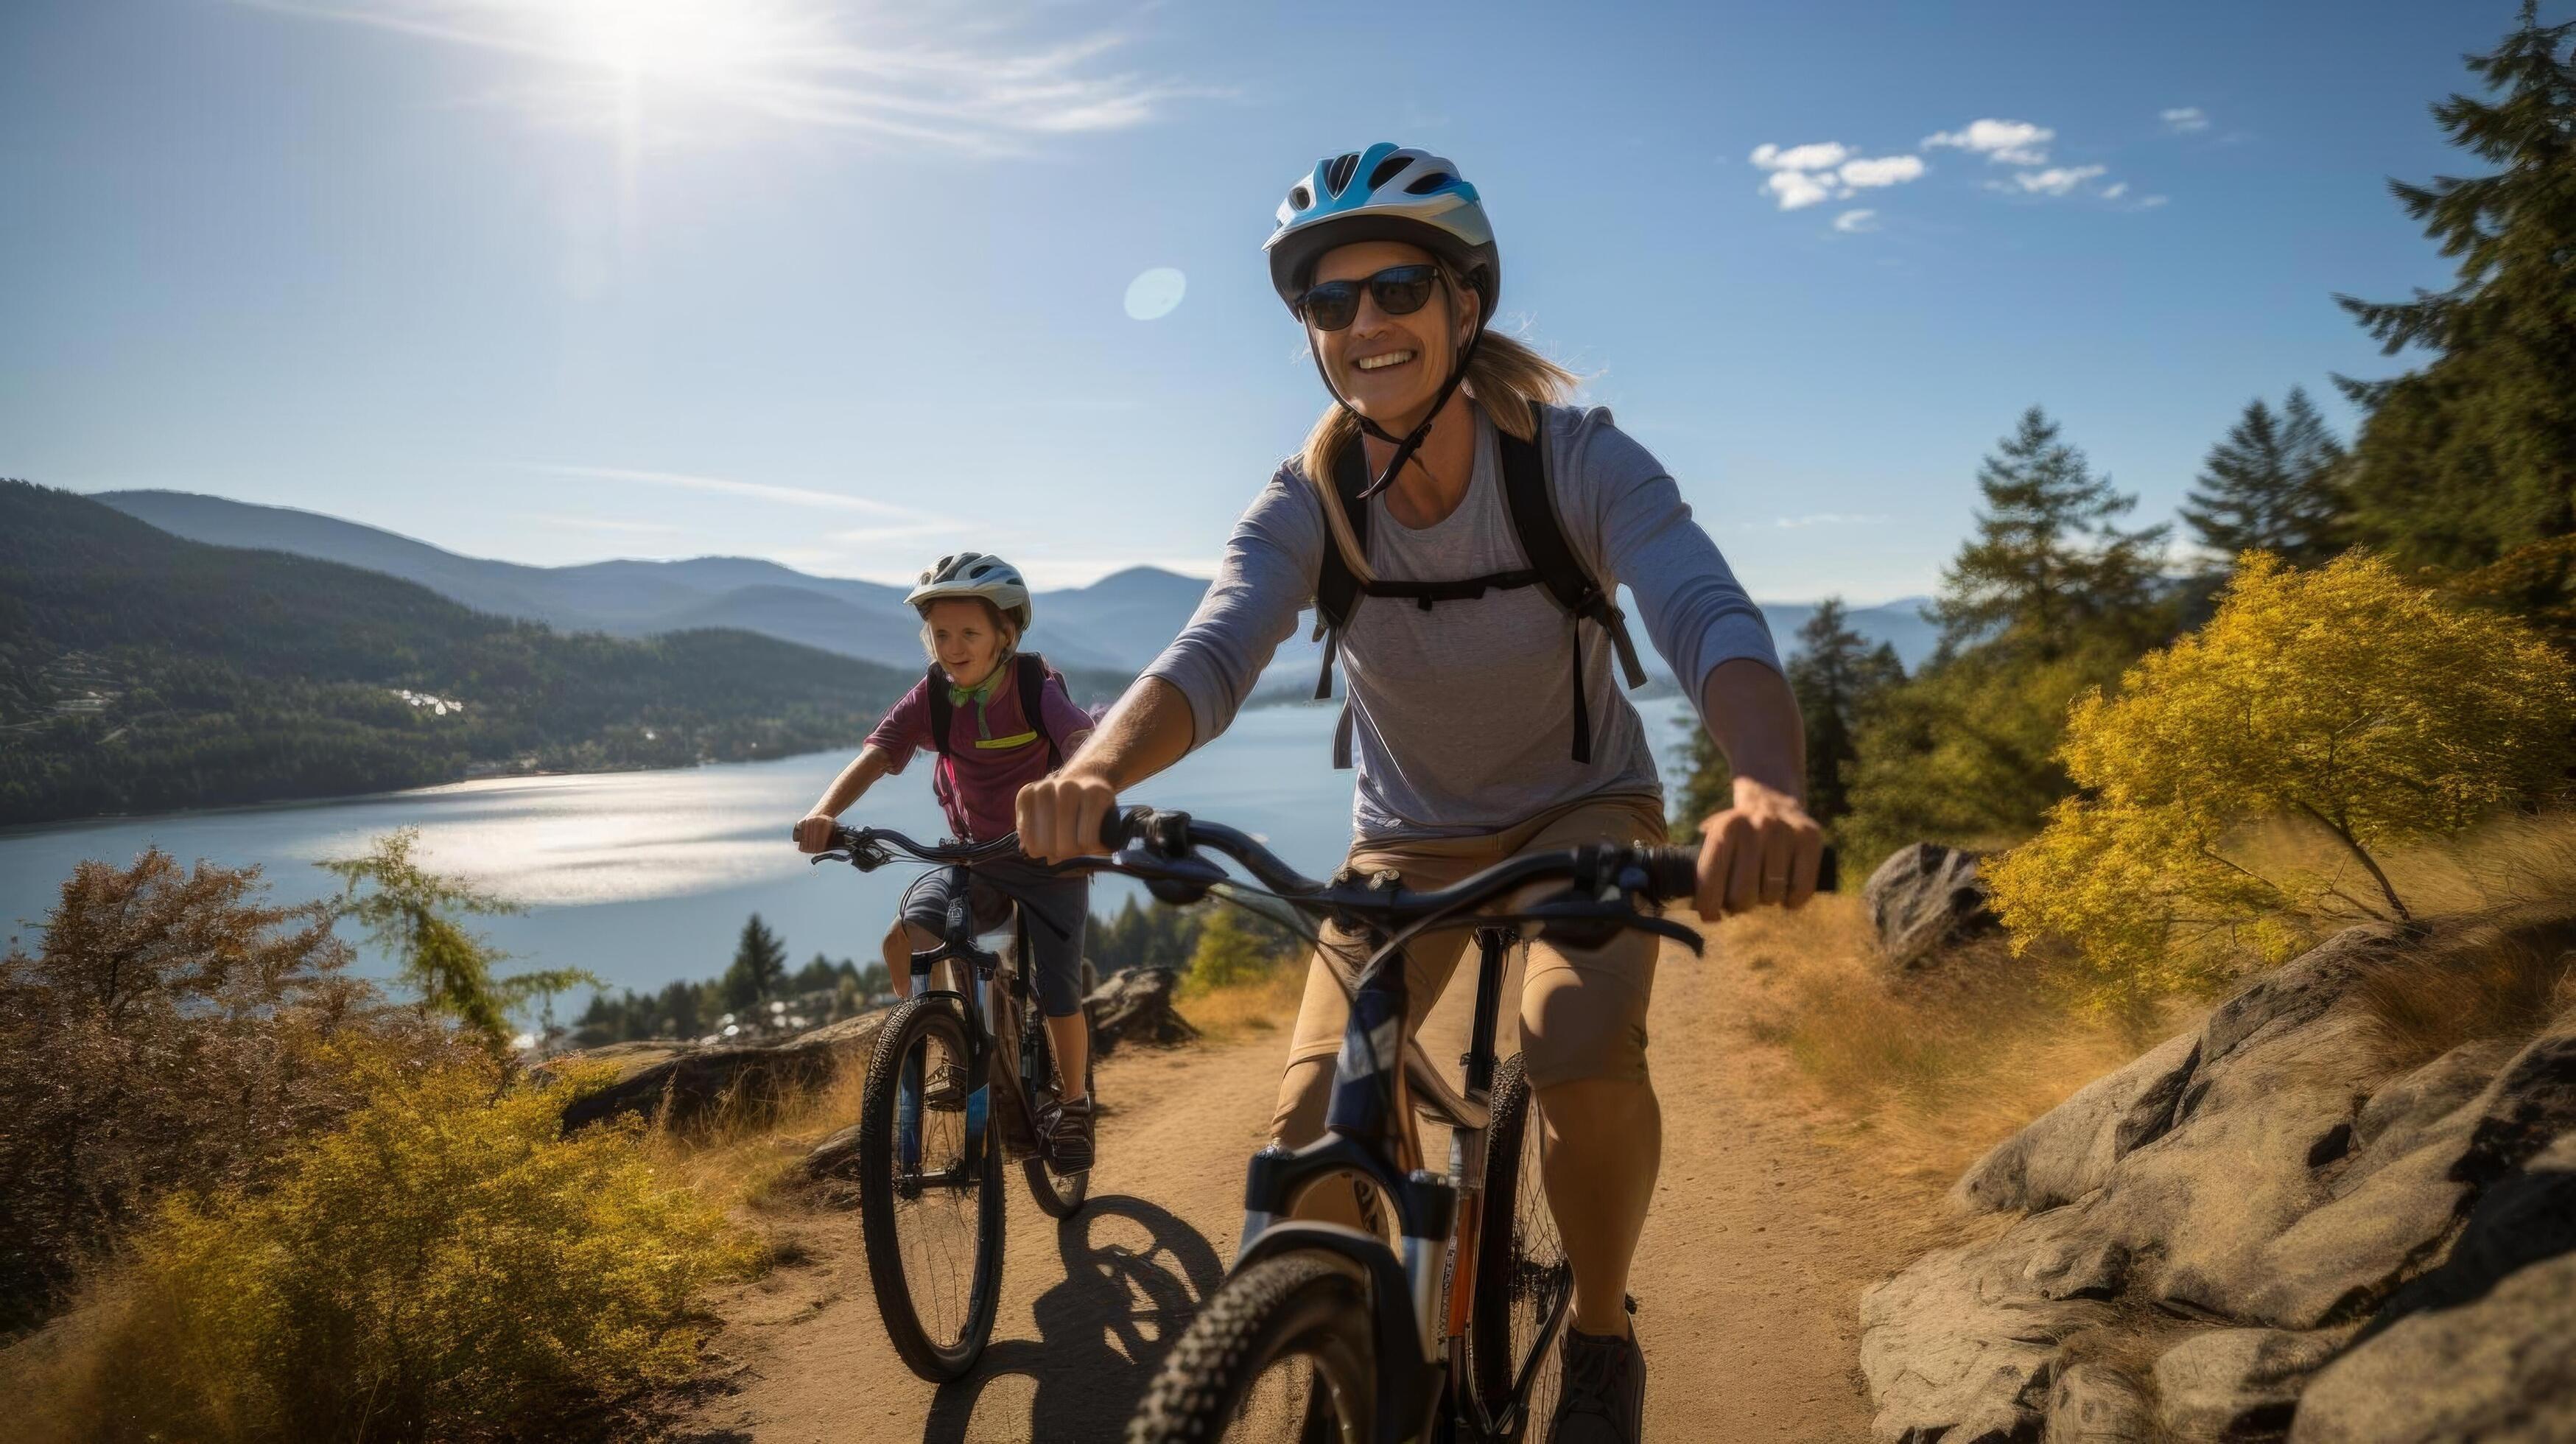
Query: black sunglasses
point(1400, 291)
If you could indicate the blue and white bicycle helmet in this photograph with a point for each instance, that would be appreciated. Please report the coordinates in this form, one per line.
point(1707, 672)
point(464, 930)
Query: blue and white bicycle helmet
point(1384, 193)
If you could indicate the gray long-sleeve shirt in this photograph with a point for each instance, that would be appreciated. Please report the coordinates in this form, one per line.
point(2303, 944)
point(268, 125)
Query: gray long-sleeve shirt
point(1463, 715)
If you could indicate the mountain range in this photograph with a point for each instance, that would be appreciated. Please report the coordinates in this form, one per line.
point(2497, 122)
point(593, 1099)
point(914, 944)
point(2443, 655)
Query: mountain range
point(1119, 623)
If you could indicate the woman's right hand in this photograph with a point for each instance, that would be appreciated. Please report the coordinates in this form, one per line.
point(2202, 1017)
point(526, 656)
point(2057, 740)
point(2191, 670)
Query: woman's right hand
point(1059, 815)
point(814, 831)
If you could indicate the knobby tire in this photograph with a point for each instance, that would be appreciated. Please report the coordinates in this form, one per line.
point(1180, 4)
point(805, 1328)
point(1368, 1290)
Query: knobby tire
point(1304, 1305)
point(933, 1352)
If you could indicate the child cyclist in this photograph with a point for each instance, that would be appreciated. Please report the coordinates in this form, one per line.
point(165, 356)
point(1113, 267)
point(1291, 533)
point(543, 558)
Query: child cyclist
point(1009, 722)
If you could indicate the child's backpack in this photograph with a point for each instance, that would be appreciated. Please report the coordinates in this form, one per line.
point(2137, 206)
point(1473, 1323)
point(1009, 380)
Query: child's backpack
point(1030, 680)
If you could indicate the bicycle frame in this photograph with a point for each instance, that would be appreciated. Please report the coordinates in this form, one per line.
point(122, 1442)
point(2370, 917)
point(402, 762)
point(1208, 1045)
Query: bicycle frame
point(990, 1056)
point(1437, 1216)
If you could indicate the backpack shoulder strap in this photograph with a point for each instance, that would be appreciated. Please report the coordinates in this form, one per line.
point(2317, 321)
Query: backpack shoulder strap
point(1032, 680)
point(1542, 536)
point(1527, 492)
point(935, 691)
point(1337, 588)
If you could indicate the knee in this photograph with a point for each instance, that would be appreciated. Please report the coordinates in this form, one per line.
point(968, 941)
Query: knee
point(1598, 1107)
point(1567, 1041)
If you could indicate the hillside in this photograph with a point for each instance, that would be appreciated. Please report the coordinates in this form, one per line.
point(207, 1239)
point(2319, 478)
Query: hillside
point(1118, 623)
point(142, 672)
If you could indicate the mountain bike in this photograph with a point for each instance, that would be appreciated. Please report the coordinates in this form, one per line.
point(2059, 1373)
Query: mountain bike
point(1327, 1333)
point(954, 1090)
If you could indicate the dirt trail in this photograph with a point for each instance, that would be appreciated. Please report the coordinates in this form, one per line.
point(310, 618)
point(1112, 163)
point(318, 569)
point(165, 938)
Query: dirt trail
point(1748, 1276)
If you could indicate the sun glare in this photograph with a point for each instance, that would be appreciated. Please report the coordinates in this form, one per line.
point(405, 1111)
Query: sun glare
point(687, 42)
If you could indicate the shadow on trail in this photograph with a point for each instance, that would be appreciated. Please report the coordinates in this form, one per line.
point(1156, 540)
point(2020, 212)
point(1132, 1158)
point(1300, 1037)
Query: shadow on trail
point(1134, 1276)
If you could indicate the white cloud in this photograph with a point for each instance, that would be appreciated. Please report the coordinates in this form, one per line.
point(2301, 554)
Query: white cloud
point(2055, 181)
point(1796, 189)
point(2148, 203)
point(2115, 191)
point(1885, 171)
point(2003, 142)
point(1854, 222)
point(2185, 119)
point(727, 486)
point(1822, 155)
point(702, 70)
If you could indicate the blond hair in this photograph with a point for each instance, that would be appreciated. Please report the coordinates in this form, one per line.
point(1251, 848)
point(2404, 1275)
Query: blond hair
point(1506, 376)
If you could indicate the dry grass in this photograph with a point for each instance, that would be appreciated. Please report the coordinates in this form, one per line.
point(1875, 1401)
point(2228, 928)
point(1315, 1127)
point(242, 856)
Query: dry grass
point(748, 1152)
point(2505, 974)
point(1930, 1069)
point(2503, 863)
point(1264, 1004)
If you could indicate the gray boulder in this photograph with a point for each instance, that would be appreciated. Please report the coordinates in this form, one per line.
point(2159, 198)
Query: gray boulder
point(2093, 1403)
point(1923, 897)
point(2068, 1151)
point(2281, 1071)
point(2237, 1383)
point(1136, 1007)
point(2350, 1254)
point(1961, 1347)
point(2483, 1347)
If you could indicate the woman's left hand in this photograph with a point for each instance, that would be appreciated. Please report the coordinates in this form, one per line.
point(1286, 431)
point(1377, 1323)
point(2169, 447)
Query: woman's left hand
point(1763, 850)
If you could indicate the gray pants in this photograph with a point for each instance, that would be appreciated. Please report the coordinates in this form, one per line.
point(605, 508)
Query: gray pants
point(1059, 907)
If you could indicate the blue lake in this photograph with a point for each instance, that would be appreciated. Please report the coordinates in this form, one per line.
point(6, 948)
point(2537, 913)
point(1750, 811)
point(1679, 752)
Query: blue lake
point(643, 877)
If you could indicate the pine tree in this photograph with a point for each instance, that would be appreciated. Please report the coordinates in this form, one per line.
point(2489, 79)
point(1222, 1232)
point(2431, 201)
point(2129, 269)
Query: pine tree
point(2048, 564)
point(2270, 486)
point(2472, 459)
point(759, 966)
point(1836, 675)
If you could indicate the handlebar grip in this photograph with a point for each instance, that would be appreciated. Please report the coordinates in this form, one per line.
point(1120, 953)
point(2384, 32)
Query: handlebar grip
point(1673, 872)
point(1123, 823)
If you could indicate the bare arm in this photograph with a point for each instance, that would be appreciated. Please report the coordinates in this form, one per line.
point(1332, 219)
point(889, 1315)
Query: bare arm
point(1764, 848)
point(814, 831)
point(1149, 730)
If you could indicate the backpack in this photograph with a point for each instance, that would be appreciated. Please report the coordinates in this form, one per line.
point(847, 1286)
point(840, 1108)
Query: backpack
point(1551, 564)
point(1030, 681)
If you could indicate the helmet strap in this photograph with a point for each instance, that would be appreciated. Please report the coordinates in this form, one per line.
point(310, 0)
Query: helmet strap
point(1407, 445)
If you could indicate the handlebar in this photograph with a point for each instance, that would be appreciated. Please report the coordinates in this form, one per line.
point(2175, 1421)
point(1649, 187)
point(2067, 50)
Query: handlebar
point(1166, 860)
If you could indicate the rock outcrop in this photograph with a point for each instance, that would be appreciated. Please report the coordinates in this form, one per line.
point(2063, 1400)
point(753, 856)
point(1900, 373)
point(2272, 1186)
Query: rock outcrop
point(680, 1083)
point(2301, 1232)
point(1923, 898)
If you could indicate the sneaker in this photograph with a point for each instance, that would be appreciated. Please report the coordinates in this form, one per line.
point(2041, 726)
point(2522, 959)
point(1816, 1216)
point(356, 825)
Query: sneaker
point(945, 1090)
point(1067, 1127)
point(1604, 1398)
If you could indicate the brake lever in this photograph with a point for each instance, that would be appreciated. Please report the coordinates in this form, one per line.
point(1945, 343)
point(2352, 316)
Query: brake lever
point(1586, 922)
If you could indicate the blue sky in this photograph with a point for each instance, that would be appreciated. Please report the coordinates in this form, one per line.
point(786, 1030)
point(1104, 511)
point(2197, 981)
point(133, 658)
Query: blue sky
point(845, 286)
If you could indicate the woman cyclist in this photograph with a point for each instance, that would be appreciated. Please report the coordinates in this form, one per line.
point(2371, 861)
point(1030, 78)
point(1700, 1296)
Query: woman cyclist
point(974, 610)
point(1483, 710)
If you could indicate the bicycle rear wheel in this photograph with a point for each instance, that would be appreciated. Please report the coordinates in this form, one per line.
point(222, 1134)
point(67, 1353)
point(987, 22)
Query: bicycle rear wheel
point(1283, 1351)
point(930, 1205)
point(1523, 1281)
point(1060, 1195)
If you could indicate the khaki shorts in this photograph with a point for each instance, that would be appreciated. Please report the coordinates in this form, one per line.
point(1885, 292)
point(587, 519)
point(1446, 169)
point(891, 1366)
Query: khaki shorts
point(1582, 1011)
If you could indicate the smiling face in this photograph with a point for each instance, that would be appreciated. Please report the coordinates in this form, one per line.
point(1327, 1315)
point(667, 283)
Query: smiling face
point(1389, 367)
point(967, 637)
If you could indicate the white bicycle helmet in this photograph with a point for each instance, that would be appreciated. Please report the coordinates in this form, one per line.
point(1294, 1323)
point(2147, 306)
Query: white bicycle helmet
point(1384, 193)
point(975, 574)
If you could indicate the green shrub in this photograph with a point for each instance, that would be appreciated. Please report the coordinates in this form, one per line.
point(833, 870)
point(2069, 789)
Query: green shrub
point(446, 1265)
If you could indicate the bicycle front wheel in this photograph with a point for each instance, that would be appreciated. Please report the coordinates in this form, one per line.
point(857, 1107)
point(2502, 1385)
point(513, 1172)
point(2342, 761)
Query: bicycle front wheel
point(1282, 1352)
point(930, 1190)
point(1523, 1282)
point(1059, 1195)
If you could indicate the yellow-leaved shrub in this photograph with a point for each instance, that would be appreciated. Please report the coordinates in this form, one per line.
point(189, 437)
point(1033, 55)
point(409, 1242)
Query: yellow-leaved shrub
point(444, 1265)
point(2343, 700)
